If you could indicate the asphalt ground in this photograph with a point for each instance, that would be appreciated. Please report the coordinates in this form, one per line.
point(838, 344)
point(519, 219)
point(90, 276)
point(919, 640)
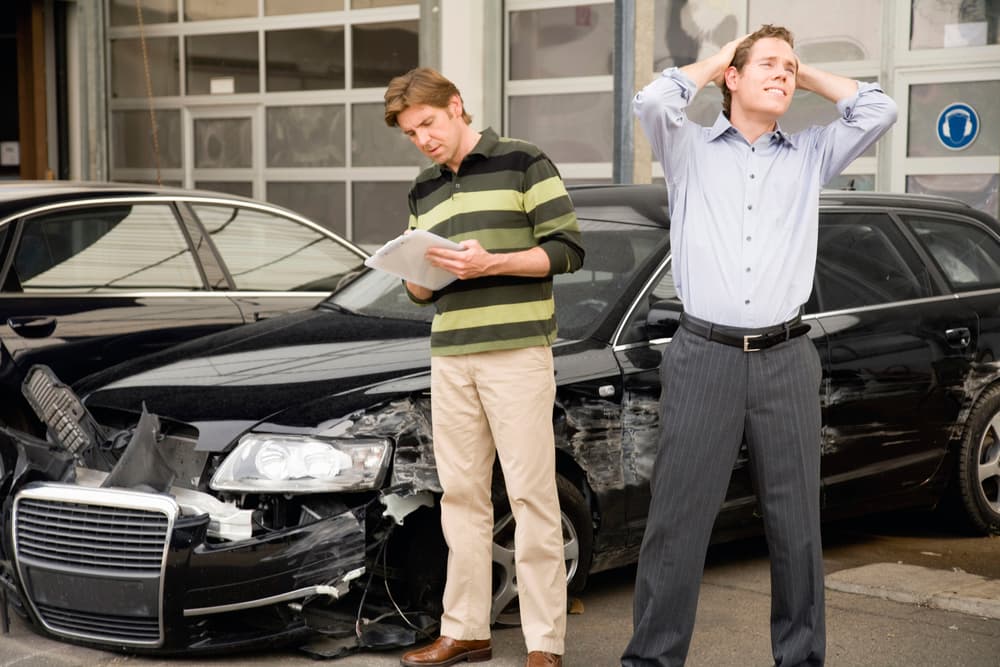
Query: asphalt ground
point(900, 591)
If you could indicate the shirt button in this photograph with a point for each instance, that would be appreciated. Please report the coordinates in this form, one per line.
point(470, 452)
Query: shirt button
point(748, 238)
point(748, 269)
point(753, 150)
point(749, 207)
point(752, 176)
point(747, 302)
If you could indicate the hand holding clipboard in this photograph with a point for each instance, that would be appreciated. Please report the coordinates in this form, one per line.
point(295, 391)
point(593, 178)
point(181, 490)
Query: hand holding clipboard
point(404, 257)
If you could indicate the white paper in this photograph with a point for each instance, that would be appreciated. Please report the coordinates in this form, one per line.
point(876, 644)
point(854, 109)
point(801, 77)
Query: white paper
point(222, 85)
point(10, 153)
point(403, 256)
point(965, 34)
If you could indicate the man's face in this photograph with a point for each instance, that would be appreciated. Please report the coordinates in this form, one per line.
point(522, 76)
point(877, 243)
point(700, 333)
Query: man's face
point(436, 131)
point(765, 86)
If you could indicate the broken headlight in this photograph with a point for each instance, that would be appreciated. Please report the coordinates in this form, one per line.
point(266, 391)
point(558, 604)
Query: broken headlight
point(302, 464)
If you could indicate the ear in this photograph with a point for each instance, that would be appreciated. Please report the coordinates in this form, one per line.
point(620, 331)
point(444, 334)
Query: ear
point(731, 77)
point(455, 106)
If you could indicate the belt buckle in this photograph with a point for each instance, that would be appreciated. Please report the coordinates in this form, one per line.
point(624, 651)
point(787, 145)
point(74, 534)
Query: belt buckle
point(746, 343)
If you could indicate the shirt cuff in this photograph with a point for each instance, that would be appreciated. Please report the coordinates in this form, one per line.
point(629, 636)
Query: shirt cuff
point(846, 106)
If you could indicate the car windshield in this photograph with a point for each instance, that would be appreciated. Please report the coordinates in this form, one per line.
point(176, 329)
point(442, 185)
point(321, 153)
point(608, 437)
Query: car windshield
point(616, 254)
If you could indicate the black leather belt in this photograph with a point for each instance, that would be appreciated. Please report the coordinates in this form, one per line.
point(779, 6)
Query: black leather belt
point(750, 340)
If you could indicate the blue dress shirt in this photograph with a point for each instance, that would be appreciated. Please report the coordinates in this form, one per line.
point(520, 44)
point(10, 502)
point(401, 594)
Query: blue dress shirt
point(744, 217)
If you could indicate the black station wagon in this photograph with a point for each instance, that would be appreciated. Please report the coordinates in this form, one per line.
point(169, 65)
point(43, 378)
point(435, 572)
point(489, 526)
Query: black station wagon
point(93, 274)
point(278, 480)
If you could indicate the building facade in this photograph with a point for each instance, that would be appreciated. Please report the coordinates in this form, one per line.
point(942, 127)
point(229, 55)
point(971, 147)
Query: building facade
point(282, 99)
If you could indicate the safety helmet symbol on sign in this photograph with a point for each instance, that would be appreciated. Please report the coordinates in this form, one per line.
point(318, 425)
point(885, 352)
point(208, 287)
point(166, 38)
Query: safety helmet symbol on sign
point(957, 126)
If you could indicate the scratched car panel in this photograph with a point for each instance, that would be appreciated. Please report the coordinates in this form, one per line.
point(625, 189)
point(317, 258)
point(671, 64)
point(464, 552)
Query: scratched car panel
point(296, 453)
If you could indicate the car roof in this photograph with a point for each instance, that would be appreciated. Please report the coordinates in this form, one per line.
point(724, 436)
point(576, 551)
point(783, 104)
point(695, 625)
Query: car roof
point(15, 195)
point(646, 204)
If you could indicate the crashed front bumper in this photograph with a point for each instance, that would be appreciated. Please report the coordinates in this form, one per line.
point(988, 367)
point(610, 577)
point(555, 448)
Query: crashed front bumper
point(127, 569)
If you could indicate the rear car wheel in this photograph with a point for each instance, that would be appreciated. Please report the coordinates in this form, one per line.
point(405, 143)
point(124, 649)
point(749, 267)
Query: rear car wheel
point(578, 540)
point(978, 478)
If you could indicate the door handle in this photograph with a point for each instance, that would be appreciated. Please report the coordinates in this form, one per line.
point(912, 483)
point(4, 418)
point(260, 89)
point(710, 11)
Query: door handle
point(958, 337)
point(32, 327)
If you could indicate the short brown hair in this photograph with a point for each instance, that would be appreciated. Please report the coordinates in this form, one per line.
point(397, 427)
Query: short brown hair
point(421, 85)
point(743, 53)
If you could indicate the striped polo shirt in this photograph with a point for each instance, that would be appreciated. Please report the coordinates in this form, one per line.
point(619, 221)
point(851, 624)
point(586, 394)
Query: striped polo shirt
point(508, 196)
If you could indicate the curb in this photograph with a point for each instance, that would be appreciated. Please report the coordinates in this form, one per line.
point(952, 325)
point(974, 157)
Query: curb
point(912, 584)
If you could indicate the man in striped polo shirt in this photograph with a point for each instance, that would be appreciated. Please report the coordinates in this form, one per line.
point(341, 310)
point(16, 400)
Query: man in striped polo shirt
point(492, 380)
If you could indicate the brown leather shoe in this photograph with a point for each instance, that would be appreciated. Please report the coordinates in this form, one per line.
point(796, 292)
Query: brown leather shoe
point(448, 651)
point(543, 659)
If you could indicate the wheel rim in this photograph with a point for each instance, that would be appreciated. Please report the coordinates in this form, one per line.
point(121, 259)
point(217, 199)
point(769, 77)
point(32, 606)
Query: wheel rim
point(988, 465)
point(505, 610)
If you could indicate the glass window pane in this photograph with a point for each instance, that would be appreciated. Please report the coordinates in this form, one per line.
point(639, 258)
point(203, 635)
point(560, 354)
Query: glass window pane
point(241, 188)
point(967, 254)
point(380, 211)
point(863, 260)
point(562, 41)
point(976, 190)
point(692, 31)
point(928, 101)
point(825, 31)
point(323, 203)
point(271, 253)
point(554, 123)
point(936, 24)
point(107, 248)
point(230, 61)
point(381, 51)
point(306, 59)
point(307, 136)
point(123, 12)
point(132, 139)
point(200, 10)
point(276, 7)
point(375, 144)
point(223, 143)
point(128, 74)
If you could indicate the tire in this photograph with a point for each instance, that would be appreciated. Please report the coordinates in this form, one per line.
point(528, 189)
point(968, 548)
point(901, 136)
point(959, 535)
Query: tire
point(578, 539)
point(977, 482)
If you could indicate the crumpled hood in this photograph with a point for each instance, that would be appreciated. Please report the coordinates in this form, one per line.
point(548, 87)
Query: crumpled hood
point(252, 372)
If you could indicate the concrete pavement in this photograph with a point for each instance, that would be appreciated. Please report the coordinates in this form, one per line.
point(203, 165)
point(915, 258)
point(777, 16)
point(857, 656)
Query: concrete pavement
point(868, 627)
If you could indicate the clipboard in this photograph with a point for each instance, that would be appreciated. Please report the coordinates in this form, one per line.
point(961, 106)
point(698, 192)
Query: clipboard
point(403, 256)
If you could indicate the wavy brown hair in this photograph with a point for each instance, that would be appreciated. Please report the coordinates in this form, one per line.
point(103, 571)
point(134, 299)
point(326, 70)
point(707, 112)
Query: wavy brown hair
point(743, 54)
point(421, 85)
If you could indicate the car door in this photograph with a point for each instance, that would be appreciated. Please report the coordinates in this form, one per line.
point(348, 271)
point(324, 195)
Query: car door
point(87, 286)
point(275, 264)
point(897, 347)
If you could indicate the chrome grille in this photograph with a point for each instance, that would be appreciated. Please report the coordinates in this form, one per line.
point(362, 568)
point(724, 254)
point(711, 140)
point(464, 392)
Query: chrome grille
point(91, 536)
point(144, 630)
point(91, 560)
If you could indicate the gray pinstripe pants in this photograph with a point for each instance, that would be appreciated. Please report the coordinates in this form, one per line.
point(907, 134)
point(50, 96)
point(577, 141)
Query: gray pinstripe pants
point(713, 396)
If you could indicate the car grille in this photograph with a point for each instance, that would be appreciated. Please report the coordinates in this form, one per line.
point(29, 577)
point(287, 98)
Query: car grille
point(91, 560)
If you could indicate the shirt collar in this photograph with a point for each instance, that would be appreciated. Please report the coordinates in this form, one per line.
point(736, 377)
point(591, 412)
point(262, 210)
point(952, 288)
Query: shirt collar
point(722, 126)
point(488, 141)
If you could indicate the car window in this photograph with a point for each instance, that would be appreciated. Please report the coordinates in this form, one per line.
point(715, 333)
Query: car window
point(863, 260)
point(271, 253)
point(615, 254)
point(664, 293)
point(108, 248)
point(967, 254)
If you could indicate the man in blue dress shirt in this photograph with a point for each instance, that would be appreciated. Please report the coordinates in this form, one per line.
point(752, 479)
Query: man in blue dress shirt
point(744, 210)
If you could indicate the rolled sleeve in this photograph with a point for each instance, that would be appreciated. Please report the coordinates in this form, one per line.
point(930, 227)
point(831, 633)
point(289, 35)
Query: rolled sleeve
point(661, 110)
point(864, 118)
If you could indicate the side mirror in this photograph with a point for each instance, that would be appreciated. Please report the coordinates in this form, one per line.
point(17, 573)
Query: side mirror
point(663, 319)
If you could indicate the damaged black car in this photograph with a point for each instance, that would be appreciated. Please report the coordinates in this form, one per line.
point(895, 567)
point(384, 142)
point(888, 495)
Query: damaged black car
point(275, 483)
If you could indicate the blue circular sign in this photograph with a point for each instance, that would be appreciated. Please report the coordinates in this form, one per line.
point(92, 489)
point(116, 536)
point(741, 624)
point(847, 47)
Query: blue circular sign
point(957, 126)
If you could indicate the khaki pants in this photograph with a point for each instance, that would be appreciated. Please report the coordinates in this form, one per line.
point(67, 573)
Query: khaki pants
point(499, 402)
